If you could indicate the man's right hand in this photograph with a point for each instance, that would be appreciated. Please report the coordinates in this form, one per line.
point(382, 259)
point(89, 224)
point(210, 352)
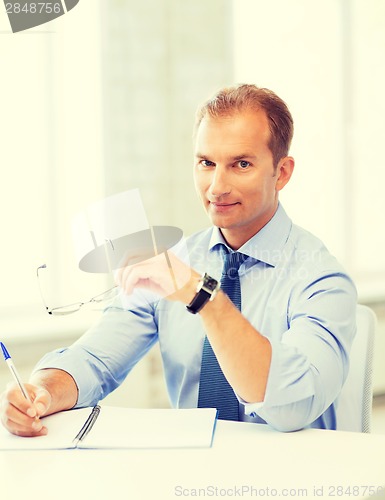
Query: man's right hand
point(19, 416)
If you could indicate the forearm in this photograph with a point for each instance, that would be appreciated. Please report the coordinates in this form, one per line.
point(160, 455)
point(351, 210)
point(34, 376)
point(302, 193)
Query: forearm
point(60, 385)
point(242, 352)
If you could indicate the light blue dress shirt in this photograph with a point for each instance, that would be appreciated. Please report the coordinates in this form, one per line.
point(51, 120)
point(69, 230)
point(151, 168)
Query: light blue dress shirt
point(294, 292)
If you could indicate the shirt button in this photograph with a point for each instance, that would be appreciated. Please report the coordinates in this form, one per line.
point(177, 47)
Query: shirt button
point(253, 414)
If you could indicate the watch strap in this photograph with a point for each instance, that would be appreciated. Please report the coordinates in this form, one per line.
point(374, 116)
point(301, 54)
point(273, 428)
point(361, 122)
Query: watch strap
point(206, 290)
point(198, 301)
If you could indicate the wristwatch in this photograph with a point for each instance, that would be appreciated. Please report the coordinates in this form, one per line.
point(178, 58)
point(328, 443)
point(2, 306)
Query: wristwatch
point(206, 290)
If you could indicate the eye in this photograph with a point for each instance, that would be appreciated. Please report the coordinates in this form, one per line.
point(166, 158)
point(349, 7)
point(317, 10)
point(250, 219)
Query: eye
point(207, 163)
point(243, 164)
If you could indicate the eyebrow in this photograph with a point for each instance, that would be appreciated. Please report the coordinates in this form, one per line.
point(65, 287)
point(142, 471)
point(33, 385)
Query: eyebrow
point(244, 156)
point(240, 157)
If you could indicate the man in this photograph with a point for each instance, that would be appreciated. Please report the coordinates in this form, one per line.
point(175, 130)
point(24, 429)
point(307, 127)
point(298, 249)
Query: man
point(280, 329)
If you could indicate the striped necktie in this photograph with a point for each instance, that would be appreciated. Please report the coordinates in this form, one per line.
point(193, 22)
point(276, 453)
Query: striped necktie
point(214, 390)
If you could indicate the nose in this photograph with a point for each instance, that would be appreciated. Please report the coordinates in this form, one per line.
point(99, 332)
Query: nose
point(219, 183)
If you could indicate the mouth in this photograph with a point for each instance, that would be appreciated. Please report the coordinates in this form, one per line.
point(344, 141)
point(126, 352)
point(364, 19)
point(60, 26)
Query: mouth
point(223, 207)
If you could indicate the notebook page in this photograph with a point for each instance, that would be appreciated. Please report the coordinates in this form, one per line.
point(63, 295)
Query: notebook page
point(62, 428)
point(152, 428)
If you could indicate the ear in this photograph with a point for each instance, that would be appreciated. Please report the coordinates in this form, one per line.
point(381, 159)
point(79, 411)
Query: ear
point(284, 171)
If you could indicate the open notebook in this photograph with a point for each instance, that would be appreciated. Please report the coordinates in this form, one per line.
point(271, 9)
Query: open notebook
point(111, 427)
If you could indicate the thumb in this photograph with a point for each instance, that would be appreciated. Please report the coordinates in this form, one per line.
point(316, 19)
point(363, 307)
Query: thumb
point(42, 402)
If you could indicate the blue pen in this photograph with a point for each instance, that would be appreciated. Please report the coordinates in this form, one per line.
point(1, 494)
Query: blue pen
point(16, 376)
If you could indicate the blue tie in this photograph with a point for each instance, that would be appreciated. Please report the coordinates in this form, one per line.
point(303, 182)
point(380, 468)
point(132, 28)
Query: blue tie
point(214, 390)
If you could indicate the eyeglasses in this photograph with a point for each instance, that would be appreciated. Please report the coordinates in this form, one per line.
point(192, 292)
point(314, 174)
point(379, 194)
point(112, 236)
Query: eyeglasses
point(72, 308)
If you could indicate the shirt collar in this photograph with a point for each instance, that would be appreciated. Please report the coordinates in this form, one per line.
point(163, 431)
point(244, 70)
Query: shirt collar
point(265, 246)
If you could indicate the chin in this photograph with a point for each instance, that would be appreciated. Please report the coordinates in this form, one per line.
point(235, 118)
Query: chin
point(222, 224)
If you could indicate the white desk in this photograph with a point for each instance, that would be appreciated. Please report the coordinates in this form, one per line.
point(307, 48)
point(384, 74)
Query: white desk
point(305, 464)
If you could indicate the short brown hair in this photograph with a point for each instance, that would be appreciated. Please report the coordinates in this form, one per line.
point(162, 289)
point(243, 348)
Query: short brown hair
point(230, 100)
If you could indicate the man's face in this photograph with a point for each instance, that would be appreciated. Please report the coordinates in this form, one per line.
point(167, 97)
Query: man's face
point(235, 176)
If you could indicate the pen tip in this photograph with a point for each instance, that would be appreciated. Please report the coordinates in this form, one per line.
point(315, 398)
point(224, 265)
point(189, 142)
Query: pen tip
point(5, 352)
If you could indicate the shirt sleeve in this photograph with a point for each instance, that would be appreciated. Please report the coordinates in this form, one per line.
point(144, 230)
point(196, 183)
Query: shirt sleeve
point(310, 362)
point(101, 359)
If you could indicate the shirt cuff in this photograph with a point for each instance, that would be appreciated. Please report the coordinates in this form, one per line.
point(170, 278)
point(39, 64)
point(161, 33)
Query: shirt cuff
point(250, 409)
point(286, 383)
point(67, 360)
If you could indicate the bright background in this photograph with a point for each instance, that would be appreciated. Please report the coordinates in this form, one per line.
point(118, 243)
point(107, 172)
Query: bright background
point(102, 100)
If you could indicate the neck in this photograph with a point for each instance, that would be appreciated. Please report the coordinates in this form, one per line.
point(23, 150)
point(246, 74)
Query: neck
point(237, 236)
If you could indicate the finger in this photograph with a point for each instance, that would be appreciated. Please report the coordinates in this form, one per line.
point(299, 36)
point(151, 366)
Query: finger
point(163, 275)
point(14, 396)
point(132, 276)
point(42, 402)
point(153, 275)
point(15, 410)
point(123, 280)
point(36, 429)
point(13, 418)
point(145, 280)
point(122, 274)
point(125, 264)
point(118, 276)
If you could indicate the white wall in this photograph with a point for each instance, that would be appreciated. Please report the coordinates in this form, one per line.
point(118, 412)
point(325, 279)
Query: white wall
point(326, 60)
point(161, 58)
point(50, 164)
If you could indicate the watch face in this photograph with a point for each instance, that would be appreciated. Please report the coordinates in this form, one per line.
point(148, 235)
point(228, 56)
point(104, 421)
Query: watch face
point(209, 282)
